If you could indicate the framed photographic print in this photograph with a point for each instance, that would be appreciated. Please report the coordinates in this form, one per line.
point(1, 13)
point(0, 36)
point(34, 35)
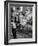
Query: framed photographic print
point(20, 22)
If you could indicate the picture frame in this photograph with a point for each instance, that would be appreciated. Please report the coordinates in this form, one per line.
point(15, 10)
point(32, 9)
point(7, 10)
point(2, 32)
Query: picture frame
point(7, 15)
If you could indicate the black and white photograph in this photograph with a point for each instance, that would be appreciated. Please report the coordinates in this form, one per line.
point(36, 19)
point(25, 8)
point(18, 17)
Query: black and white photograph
point(20, 22)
